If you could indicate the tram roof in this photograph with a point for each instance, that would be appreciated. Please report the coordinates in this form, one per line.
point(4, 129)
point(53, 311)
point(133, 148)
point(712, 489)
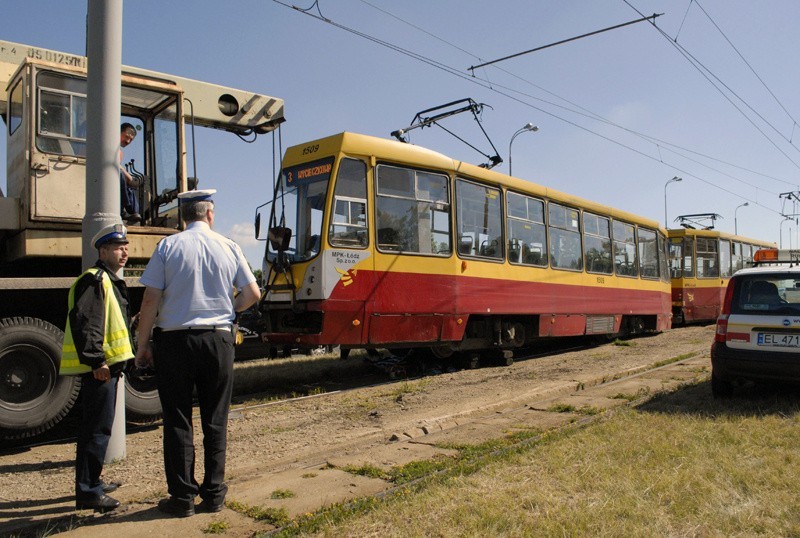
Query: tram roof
point(686, 232)
point(388, 150)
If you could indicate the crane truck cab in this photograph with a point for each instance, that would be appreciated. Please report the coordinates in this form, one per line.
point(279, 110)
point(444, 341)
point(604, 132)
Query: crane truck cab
point(43, 104)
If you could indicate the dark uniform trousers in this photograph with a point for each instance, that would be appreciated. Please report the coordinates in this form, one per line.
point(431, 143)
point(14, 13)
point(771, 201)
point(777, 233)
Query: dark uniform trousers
point(183, 360)
point(99, 404)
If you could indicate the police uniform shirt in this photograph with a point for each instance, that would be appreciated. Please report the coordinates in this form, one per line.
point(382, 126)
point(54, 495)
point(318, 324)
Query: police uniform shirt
point(195, 270)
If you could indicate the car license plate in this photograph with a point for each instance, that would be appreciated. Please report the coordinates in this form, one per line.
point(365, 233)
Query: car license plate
point(778, 340)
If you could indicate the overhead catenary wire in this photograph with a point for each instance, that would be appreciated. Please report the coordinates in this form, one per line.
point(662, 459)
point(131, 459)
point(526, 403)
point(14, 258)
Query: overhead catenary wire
point(494, 87)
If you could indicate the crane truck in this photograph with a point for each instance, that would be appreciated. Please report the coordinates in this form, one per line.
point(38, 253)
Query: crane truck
point(43, 103)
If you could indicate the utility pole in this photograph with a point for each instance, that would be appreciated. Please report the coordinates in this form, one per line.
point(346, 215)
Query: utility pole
point(103, 97)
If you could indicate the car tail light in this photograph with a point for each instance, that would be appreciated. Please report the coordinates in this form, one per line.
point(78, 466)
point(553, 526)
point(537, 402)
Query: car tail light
point(722, 328)
point(722, 321)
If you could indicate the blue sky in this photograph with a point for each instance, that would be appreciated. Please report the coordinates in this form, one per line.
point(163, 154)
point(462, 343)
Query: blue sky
point(619, 113)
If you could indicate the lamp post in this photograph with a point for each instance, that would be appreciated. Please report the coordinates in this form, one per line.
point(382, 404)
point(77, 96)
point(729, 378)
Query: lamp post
point(735, 222)
point(675, 179)
point(527, 127)
point(780, 231)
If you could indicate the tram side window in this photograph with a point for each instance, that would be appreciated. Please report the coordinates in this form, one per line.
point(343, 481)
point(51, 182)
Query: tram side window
point(565, 237)
point(675, 257)
point(648, 253)
point(597, 244)
point(663, 253)
point(412, 211)
point(479, 220)
point(15, 108)
point(737, 260)
point(624, 249)
point(707, 257)
point(747, 254)
point(61, 115)
point(688, 257)
point(349, 220)
point(527, 236)
point(724, 258)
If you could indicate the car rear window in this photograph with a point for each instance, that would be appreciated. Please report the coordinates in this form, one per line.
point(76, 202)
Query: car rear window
point(777, 293)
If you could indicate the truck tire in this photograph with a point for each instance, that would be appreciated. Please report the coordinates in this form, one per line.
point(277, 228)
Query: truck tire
point(33, 397)
point(141, 396)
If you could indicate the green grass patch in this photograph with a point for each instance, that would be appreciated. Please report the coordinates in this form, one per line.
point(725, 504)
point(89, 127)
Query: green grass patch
point(623, 343)
point(274, 516)
point(561, 408)
point(216, 527)
point(282, 494)
point(370, 471)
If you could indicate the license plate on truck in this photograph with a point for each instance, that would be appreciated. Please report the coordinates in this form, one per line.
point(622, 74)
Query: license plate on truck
point(779, 340)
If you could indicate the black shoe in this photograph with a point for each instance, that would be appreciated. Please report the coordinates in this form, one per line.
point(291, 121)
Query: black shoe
point(209, 507)
point(103, 503)
point(108, 487)
point(175, 507)
point(131, 218)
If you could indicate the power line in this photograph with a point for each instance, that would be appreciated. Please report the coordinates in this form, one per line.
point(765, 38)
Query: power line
point(708, 75)
point(493, 87)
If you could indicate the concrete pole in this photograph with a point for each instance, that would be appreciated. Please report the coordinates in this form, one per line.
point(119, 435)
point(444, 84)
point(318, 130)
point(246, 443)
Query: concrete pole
point(104, 52)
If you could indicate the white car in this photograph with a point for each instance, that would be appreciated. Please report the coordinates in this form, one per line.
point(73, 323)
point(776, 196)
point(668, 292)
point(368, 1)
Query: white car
point(758, 330)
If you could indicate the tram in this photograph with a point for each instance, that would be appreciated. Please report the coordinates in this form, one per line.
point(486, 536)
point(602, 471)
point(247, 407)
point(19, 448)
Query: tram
point(374, 243)
point(701, 262)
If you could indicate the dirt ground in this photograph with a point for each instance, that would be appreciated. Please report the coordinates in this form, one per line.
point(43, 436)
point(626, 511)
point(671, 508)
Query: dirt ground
point(36, 484)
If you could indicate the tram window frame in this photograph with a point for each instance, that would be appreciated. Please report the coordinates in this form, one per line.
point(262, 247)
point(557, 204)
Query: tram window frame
point(648, 267)
point(663, 250)
point(70, 138)
point(563, 228)
point(482, 241)
point(737, 257)
point(350, 191)
point(398, 201)
point(725, 258)
point(16, 107)
point(592, 235)
point(747, 254)
point(629, 243)
point(676, 256)
point(708, 270)
point(525, 222)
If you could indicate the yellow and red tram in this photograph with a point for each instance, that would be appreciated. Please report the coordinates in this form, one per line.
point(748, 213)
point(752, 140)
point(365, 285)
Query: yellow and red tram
point(701, 264)
point(381, 244)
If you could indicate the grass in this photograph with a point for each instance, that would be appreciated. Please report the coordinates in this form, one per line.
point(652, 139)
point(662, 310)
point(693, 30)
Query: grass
point(216, 527)
point(681, 464)
point(273, 516)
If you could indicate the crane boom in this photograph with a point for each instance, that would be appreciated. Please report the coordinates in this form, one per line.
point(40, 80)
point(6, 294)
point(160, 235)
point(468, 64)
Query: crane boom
point(212, 106)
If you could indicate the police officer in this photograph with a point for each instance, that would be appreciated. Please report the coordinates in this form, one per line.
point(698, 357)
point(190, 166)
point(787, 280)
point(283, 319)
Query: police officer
point(189, 284)
point(96, 344)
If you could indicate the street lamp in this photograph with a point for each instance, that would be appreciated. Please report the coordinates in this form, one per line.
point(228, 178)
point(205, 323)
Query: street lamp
point(676, 178)
point(780, 231)
point(735, 222)
point(527, 127)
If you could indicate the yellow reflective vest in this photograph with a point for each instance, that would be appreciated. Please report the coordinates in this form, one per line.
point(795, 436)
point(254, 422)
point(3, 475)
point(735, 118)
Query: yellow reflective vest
point(116, 341)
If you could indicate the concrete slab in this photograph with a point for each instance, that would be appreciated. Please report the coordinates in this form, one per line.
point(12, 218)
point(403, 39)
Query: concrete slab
point(392, 455)
point(312, 489)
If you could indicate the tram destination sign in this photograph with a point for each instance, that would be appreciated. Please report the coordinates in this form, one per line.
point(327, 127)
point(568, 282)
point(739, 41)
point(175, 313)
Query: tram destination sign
point(304, 174)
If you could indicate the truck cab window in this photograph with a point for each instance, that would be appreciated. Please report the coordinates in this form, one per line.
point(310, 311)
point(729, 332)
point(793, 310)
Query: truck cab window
point(61, 115)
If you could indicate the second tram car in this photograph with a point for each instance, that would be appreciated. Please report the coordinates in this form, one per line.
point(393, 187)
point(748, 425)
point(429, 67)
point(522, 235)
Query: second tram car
point(701, 264)
point(375, 243)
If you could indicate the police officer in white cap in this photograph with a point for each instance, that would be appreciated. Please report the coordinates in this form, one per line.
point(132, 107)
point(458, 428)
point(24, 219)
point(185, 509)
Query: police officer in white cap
point(96, 345)
point(189, 300)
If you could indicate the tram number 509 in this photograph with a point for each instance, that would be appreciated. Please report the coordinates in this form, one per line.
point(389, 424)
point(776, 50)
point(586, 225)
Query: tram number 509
point(601, 280)
point(310, 149)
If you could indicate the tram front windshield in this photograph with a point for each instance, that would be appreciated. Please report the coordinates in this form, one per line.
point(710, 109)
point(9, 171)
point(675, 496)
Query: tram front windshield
point(302, 206)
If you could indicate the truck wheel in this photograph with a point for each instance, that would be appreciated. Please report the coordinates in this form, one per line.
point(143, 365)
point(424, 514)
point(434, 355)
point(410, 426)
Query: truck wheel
point(141, 395)
point(33, 397)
